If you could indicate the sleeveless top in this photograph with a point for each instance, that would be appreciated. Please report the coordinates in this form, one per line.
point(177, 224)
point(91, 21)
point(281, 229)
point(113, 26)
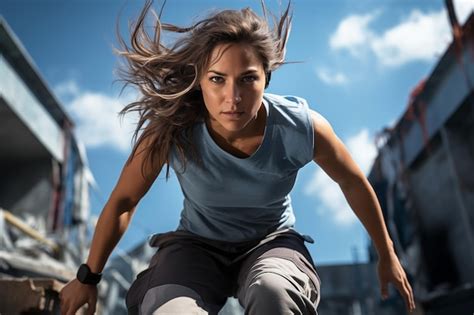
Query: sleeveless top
point(238, 199)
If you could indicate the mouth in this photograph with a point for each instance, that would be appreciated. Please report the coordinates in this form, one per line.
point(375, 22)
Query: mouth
point(232, 114)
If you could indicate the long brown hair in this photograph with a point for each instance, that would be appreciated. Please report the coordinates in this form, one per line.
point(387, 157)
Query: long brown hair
point(168, 77)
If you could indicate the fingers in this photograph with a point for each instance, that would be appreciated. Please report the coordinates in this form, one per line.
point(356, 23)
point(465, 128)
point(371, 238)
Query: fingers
point(406, 295)
point(74, 295)
point(403, 286)
point(91, 307)
point(69, 308)
point(409, 299)
point(411, 296)
point(90, 310)
point(72, 309)
point(391, 271)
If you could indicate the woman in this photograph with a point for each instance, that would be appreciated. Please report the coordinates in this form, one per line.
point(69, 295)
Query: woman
point(236, 152)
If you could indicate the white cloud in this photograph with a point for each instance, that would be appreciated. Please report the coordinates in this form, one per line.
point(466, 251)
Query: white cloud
point(96, 116)
point(420, 36)
point(66, 89)
point(328, 192)
point(362, 149)
point(330, 77)
point(353, 33)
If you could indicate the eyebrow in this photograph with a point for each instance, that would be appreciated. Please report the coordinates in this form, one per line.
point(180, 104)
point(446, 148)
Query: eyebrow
point(243, 73)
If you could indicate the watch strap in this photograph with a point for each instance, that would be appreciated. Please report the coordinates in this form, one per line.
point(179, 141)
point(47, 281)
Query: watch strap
point(86, 276)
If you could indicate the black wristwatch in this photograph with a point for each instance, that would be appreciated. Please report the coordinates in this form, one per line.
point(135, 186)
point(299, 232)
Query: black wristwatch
point(86, 276)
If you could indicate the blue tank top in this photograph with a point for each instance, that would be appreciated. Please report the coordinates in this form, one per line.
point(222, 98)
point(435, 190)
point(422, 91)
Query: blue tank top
point(237, 199)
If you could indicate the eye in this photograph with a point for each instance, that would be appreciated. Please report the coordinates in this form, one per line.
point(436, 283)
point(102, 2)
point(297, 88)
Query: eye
point(249, 79)
point(216, 79)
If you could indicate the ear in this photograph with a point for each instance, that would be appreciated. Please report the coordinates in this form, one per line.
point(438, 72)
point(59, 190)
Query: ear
point(268, 76)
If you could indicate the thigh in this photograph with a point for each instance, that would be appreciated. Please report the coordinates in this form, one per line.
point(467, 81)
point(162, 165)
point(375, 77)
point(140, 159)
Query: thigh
point(276, 285)
point(183, 272)
point(286, 256)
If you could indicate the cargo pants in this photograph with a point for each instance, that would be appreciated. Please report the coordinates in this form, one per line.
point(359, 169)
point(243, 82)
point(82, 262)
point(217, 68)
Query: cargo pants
point(190, 274)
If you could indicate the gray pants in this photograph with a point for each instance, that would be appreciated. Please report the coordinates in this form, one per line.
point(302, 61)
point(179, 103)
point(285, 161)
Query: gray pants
point(193, 275)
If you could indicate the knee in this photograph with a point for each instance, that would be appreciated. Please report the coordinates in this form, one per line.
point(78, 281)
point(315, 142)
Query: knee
point(172, 299)
point(268, 287)
point(272, 293)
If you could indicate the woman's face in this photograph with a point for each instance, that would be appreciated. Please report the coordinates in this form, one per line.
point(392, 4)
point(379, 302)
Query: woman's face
point(232, 88)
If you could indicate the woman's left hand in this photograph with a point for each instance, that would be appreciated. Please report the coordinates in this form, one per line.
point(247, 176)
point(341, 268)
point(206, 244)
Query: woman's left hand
point(390, 270)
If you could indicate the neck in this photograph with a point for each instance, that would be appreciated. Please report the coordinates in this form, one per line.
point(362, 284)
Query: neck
point(255, 127)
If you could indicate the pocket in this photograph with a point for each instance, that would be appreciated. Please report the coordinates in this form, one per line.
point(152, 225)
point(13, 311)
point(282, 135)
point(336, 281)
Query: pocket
point(304, 237)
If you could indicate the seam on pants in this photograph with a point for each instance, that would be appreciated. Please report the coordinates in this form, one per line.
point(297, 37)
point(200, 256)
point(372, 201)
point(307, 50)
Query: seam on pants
point(290, 264)
point(313, 286)
point(276, 268)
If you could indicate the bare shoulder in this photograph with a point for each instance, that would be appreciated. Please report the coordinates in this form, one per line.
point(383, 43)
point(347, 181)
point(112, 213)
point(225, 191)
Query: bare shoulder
point(330, 153)
point(318, 118)
point(324, 137)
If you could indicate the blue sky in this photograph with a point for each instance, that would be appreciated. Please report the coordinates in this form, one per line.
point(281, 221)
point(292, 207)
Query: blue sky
point(360, 60)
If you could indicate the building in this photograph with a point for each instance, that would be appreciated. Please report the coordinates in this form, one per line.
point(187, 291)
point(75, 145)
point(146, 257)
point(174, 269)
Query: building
point(44, 185)
point(423, 177)
point(353, 289)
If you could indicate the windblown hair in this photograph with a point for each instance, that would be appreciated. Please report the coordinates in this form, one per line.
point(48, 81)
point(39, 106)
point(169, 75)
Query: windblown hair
point(168, 76)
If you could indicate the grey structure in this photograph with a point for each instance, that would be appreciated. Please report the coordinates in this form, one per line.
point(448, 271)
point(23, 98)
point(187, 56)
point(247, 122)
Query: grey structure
point(353, 289)
point(44, 176)
point(43, 166)
point(423, 177)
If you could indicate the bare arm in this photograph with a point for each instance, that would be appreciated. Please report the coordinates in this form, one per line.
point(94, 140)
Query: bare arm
point(333, 157)
point(120, 207)
point(113, 222)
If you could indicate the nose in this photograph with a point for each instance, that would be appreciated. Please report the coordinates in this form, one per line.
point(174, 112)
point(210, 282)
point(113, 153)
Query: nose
point(232, 93)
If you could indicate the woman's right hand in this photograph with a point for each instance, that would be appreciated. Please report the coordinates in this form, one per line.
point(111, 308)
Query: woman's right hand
point(75, 294)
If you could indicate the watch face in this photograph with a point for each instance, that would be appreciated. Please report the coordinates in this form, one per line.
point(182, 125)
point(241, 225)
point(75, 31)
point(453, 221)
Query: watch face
point(82, 273)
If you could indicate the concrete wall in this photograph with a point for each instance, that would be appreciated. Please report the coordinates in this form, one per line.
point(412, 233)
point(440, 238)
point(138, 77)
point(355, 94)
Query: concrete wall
point(26, 188)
